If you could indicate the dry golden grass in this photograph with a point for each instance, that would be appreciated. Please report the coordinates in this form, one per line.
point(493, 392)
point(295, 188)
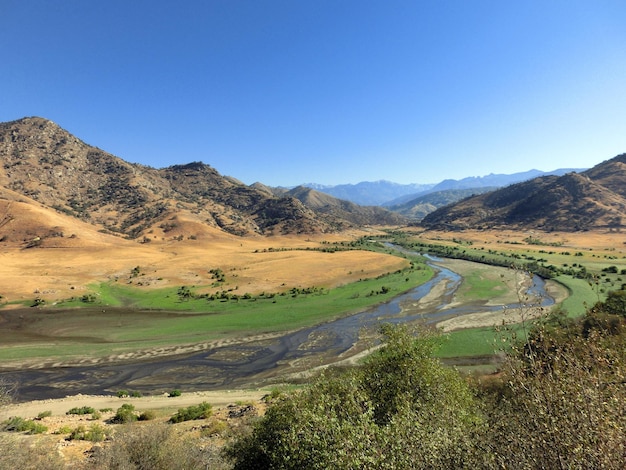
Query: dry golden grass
point(515, 239)
point(64, 266)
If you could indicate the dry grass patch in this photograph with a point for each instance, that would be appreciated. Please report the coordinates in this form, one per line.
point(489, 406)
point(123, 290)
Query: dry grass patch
point(253, 264)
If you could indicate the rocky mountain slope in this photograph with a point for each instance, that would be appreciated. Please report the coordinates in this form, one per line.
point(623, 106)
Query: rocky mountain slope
point(46, 164)
point(595, 198)
point(345, 210)
point(421, 206)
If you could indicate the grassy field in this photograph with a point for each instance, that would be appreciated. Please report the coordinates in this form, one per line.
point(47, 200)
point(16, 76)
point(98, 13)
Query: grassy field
point(288, 286)
point(120, 319)
point(588, 264)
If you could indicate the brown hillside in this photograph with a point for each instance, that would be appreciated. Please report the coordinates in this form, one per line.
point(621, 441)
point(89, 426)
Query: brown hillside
point(47, 164)
point(594, 199)
point(345, 210)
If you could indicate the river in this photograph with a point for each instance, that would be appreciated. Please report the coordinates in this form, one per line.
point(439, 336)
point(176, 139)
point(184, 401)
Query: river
point(251, 363)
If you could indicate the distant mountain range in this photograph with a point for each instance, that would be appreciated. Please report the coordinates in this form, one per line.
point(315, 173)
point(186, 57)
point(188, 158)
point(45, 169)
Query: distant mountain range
point(47, 168)
point(592, 199)
point(417, 200)
point(375, 193)
point(388, 194)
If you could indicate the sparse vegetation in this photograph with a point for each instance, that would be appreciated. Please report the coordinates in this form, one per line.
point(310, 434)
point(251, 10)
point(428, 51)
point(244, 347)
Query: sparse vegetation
point(201, 411)
point(95, 433)
point(29, 426)
point(83, 410)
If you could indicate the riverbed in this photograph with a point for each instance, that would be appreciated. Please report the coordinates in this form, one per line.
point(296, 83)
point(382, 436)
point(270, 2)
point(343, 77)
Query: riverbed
point(258, 361)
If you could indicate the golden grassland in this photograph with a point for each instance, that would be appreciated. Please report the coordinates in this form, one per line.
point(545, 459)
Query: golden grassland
point(259, 264)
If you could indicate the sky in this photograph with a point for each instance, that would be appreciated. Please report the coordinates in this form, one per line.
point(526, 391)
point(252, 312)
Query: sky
point(332, 92)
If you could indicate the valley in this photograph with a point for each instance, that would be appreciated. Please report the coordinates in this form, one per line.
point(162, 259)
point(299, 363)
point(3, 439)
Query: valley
point(119, 279)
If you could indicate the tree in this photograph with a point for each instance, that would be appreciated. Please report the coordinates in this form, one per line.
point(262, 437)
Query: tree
point(402, 409)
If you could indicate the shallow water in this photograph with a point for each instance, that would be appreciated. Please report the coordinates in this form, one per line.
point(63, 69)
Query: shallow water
point(250, 363)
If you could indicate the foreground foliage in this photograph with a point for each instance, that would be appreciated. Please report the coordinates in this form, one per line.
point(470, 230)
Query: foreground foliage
point(401, 408)
point(559, 402)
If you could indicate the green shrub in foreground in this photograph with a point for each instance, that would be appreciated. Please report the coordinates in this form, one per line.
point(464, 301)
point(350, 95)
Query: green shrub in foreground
point(201, 411)
point(125, 414)
point(403, 409)
point(18, 424)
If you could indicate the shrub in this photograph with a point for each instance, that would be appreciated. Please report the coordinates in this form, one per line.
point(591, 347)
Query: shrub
point(63, 430)
point(215, 427)
point(44, 414)
point(125, 414)
point(562, 403)
point(402, 409)
point(201, 411)
point(95, 433)
point(18, 424)
point(147, 415)
point(156, 448)
point(83, 410)
point(175, 393)
point(41, 455)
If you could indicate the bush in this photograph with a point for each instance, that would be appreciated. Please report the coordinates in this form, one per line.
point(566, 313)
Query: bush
point(125, 414)
point(402, 409)
point(147, 415)
point(17, 424)
point(63, 430)
point(201, 411)
point(83, 410)
point(41, 455)
point(155, 447)
point(95, 433)
point(562, 403)
point(44, 414)
point(175, 393)
point(215, 427)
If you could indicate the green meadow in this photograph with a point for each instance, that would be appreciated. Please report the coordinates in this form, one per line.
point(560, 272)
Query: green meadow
point(118, 318)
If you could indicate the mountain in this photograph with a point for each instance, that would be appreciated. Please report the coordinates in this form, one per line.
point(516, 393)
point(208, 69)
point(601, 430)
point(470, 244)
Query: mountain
point(43, 163)
point(345, 210)
point(387, 194)
point(595, 198)
point(421, 206)
point(368, 193)
point(497, 180)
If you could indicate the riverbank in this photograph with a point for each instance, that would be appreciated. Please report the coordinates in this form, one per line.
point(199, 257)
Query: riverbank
point(60, 406)
point(509, 287)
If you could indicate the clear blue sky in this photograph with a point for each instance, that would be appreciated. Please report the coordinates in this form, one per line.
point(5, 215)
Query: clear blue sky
point(326, 91)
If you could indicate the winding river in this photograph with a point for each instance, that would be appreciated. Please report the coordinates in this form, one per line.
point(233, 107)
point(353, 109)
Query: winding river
point(251, 363)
